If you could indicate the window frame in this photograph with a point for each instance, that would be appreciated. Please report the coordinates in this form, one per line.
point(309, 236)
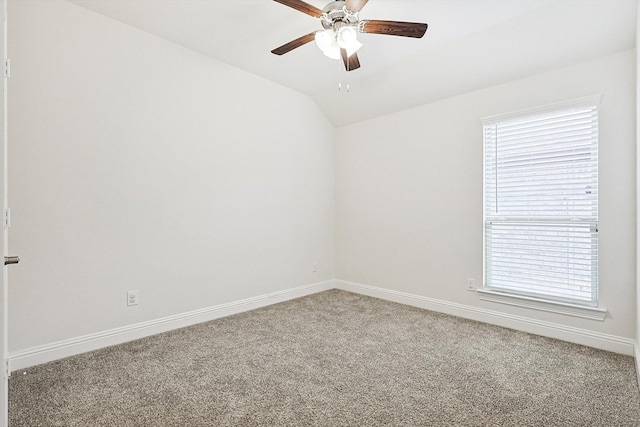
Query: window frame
point(586, 309)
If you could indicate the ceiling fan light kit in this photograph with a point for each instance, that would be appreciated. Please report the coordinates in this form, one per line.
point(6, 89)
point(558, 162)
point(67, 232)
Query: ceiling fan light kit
point(347, 39)
point(330, 42)
point(327, 43)
point(341, 22)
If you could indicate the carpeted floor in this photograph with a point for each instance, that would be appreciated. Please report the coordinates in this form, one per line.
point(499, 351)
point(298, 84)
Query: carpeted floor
point(333, 358)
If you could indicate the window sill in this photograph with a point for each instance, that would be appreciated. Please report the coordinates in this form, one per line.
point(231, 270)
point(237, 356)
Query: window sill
point(592, 313)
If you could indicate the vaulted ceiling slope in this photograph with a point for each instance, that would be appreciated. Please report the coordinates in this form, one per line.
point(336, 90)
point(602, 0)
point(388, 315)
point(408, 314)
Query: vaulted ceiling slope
point(470, 44)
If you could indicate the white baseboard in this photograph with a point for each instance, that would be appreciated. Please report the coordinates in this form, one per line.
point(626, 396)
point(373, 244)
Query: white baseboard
point(57, 350)
point(553, 330)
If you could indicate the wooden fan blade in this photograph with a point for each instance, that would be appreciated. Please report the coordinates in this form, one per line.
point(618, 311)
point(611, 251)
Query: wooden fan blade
point(301, 6)
point(294, 44)
point(356, 5)
point(393, 28)
point(350, 62)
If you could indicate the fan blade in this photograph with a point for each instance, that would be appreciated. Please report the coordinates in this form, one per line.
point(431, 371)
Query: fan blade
point(356, 5)
point(350, 62)
point(294, 44)
point(393, 28)
point(303, 7)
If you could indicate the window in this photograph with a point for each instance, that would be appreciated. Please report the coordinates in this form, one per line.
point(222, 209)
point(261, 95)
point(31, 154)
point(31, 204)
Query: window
point(541, 203)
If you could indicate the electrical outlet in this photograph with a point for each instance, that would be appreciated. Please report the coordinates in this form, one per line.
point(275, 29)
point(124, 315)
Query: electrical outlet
point(315, 267)
point(471, 284)
point(132, 298)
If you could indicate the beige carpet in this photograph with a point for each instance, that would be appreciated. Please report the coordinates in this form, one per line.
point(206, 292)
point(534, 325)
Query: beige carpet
point(333, 358)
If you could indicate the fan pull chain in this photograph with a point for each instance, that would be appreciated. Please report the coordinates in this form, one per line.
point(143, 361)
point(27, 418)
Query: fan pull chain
point(339, 75)
point(346, 73)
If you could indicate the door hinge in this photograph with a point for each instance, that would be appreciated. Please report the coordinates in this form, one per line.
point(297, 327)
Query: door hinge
point(7, 217)
point(7, 68)
point(7, 369)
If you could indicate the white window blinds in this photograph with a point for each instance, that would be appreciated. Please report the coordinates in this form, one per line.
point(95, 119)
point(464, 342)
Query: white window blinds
point(541, 203)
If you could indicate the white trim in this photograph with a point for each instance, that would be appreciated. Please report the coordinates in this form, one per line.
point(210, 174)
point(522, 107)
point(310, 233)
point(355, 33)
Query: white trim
point(539, 327)
point(636, 349)
point(57, 350)
point(593, 313)
point(576, 102)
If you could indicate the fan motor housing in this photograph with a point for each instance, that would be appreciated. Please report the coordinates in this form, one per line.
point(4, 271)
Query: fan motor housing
point(335, 12)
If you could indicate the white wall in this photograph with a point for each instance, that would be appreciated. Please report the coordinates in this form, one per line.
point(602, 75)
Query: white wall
point(409, 191)
point(136, 164)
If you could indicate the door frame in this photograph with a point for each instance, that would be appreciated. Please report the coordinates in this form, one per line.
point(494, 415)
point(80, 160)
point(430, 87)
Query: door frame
point(4, 387)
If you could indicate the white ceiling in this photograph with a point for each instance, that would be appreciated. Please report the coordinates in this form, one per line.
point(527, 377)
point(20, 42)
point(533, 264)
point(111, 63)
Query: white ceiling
point(470, 44)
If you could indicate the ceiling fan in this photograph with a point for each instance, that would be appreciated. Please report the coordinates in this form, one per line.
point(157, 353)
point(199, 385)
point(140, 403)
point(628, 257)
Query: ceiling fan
point(341, 22)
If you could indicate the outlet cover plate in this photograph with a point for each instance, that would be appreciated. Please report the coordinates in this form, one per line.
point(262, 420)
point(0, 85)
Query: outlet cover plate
point(132, 298)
